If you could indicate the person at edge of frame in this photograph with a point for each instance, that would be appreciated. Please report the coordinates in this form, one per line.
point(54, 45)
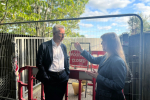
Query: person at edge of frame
point(112, 71)
point(53, 65)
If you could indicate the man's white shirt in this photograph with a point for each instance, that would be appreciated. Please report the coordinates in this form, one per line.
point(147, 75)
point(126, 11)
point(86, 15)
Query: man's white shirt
point(58, 58)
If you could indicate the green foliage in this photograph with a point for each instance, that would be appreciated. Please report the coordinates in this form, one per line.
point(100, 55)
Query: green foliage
point(31, 10)
point(135, 24)
point(16, 10)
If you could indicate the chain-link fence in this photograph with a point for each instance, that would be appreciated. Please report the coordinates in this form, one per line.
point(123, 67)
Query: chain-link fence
point(29, 35)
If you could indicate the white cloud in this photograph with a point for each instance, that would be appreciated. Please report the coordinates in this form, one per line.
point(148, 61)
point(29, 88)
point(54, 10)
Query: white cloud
point(141, 7)
point(124, 25)
point(114, 24)
point(86, 25)
point(103, 5)
point(120, 24)
point(117, 30)
point(104, 27)
point(121, 19)
point(89, 13)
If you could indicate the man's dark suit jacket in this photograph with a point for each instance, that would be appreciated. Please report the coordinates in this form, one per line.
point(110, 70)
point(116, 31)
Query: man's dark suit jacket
point(45, 59)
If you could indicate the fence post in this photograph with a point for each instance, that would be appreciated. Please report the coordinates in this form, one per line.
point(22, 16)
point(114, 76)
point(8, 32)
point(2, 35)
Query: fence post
point(79, 95)
point(20, 91)
point(21, 84)
point(30, 84)
point(94, 82)
point(42, 92)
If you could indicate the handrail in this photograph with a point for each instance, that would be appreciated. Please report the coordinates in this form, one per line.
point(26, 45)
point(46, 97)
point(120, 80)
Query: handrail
point(74, 74)
point(29, 85)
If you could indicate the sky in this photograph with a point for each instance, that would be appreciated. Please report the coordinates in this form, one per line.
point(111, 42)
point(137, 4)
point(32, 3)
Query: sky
point(96, 27)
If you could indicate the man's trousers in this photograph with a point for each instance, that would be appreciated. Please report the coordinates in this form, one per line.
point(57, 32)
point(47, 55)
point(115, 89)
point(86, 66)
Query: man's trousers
point(56, 87)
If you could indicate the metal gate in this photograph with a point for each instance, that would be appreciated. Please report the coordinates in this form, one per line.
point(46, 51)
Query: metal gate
point(30, 45)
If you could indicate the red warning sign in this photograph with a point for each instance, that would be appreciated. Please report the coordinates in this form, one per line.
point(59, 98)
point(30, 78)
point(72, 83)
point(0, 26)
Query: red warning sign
point(77, 59)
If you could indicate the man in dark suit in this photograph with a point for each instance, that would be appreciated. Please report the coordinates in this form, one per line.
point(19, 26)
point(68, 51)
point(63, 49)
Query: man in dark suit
point(52, 62)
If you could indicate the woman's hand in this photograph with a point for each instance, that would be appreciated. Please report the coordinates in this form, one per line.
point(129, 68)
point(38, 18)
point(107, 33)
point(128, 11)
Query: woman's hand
point(94, 74)
point(78, 46)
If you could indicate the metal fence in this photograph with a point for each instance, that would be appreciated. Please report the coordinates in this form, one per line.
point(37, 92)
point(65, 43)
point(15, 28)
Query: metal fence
point(7, 71)
point(26, 55)
point(27, 47)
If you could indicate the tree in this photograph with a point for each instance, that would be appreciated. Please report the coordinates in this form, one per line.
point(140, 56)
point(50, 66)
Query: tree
point(45, 10)
point(135, 24)
point(16, 10)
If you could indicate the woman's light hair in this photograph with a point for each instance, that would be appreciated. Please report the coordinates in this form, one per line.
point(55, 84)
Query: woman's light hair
point(56, 28)
point(114, 45)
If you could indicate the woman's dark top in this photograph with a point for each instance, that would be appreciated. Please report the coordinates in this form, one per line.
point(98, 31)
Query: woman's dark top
point(111, 78)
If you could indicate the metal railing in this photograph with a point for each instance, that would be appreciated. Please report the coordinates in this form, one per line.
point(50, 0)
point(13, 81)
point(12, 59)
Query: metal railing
point(32, 70)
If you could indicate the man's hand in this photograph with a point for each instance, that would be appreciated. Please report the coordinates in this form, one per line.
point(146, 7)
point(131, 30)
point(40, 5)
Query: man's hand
point(94, 74)
point(78, 46)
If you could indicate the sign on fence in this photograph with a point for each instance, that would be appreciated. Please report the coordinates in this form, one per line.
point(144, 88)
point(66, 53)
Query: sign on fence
point(77, 59)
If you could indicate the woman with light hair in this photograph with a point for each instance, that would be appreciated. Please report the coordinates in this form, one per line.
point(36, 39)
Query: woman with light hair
point(112, 71)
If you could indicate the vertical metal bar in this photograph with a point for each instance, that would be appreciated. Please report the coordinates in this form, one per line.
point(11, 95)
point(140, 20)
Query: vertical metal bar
point(37, 44)
point(90, 53)
point(42, 92)
point(34, 57)
point(94, 82)
point(34, 64)
point(31, 52)
point(79, 95)
point(141, 60)
point(31, 49)
point(28, 52)
point(16, 77)
point(28, 45)
point(20, 90)
point(4, 64)
point(25, 61)
point(30, 84)
point(22, 63)
point(25, 54)
point(134, 81)
point(36, 49)
point(17, 41)
point(18, 51)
